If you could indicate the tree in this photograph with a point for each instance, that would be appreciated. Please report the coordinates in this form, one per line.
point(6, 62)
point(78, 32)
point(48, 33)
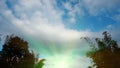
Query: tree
point(107, 53)
point(40, 64)
point(15, 54)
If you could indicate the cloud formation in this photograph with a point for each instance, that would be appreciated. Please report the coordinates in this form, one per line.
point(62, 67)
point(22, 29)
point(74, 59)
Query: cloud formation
point(44, 20)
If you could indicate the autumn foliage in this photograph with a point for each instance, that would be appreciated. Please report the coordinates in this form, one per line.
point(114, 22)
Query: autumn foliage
point(106, 54)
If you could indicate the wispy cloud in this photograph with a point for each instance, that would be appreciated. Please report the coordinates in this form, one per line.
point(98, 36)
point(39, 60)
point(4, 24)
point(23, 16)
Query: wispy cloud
point(96, 7)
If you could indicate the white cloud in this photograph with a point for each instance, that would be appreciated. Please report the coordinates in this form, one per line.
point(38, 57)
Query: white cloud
point(96, 7)
point(82, 8)
point(110, 26)
point(74, 10)
point(91, 7)
point(117, 18)
point(44, 22)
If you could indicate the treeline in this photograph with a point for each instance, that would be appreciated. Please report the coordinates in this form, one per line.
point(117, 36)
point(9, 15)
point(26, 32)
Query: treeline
point(15, 54)
point(105, 53)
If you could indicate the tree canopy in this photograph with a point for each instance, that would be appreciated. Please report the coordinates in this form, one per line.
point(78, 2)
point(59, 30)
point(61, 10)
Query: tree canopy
point(106, 54)
point(15, 54)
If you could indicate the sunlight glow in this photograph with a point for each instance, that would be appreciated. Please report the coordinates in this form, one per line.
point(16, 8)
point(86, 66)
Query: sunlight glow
point(66, 61)
point(62, 63)
point(58, 61)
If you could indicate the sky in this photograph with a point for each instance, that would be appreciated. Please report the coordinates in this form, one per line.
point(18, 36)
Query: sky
point(53, 28)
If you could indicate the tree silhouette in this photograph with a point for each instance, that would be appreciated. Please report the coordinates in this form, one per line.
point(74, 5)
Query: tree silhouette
point(15, 54)
point(107, 53)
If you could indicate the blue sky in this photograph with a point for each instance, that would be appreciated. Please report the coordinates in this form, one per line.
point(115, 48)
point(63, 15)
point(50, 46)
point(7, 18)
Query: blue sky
point(83, 14)
point(53, 27)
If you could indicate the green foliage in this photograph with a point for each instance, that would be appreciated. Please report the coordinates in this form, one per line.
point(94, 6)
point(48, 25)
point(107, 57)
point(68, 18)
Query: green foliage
point(40, 64)
point(89, 67)
point(15, 54)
